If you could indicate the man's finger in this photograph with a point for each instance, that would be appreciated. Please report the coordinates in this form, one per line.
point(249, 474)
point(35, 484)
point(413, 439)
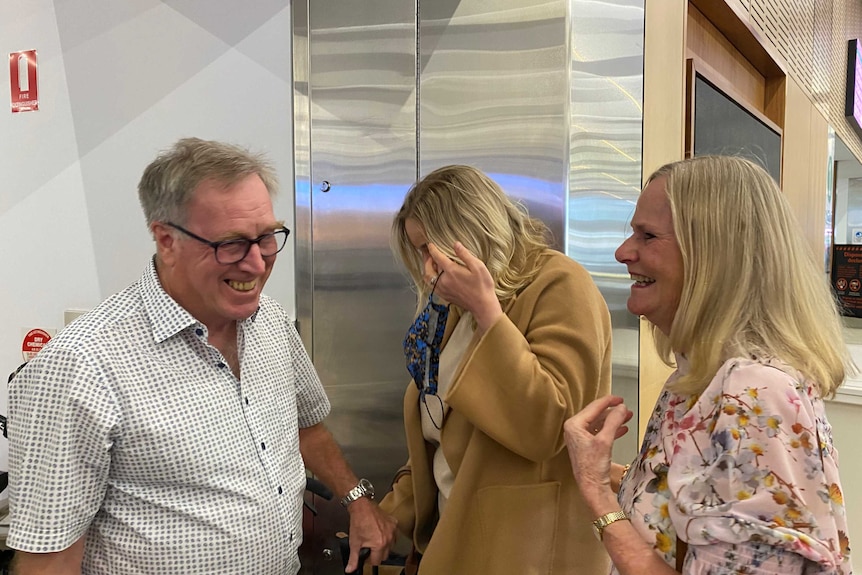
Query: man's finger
point(352, 561)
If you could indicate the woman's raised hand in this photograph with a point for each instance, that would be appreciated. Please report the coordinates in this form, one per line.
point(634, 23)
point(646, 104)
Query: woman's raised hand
point(468, 285)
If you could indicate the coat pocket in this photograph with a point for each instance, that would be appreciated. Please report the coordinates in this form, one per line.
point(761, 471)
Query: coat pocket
point(519, 527)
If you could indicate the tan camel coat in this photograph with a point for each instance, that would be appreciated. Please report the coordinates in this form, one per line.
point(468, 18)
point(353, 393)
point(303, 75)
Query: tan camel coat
point(514, 507)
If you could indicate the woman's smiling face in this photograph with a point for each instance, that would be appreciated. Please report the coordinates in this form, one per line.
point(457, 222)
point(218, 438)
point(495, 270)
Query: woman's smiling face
point(653, 258)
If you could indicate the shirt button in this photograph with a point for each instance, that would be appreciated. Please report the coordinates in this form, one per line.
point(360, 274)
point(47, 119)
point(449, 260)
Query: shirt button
point(246, 401)
point(262, 445)
point(220, 364)
point(280, 490)
point(199, 331)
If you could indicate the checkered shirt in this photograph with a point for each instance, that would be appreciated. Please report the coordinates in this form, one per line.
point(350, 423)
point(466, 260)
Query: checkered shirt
point(129, 428)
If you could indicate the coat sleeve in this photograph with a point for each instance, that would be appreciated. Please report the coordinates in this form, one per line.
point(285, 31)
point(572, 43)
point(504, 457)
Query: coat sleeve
point(399, 501)
point(539, 364)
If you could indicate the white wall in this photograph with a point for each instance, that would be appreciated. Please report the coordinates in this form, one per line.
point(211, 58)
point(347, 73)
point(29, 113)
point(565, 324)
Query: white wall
point(119, 81)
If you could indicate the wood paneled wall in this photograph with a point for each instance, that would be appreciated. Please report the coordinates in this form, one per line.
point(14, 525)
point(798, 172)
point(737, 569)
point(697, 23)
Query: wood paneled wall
point(804, 166)
point(663, 142)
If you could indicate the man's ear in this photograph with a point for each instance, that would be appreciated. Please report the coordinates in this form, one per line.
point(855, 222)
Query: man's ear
point(166, 242)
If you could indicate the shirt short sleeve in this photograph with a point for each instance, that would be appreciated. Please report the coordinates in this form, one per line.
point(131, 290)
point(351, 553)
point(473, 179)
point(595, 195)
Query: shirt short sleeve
point(312, 403)
point(61, 424)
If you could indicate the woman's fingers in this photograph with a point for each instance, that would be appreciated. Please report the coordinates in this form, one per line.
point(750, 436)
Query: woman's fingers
point(615, 419)
point(471, 262)
point(595, 410)
point(441, 260)
point(606, 413)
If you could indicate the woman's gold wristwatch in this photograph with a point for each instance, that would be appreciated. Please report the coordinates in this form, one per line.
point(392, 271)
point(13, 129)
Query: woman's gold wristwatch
point(605, 520)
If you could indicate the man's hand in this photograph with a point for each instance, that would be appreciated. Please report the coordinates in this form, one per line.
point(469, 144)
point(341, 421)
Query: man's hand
point(372, 528)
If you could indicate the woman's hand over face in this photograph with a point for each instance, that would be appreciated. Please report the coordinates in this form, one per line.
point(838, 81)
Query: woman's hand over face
point(469, 286)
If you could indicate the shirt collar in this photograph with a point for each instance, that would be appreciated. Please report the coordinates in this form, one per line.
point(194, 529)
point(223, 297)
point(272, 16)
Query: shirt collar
point(167, 317)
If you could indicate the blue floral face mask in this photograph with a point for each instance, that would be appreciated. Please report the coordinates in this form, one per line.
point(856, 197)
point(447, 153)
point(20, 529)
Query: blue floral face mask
point(422, 345)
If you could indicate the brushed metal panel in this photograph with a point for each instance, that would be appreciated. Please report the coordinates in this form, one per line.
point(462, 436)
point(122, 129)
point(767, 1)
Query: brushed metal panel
point(362, 158)
point(605, 164)
point(547, 98)
point(363, 161)
point(544, 96)
point(493, 95)
point(302, 172)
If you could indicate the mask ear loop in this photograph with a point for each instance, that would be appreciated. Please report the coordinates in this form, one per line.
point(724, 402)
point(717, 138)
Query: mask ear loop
point(434, 281)
point(423, 397)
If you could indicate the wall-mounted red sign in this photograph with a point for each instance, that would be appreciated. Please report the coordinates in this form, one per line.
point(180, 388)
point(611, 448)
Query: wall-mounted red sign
point(34, 341)
point(24, 81)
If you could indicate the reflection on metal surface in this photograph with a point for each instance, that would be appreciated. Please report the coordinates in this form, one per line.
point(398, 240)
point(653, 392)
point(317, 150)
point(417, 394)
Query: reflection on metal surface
point(493, 95)
point(604, 180)
point(361, 156)
point(302, 171)
point(544, 95)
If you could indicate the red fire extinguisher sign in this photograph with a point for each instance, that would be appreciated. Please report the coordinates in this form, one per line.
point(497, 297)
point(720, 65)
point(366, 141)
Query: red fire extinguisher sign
point(24, 81)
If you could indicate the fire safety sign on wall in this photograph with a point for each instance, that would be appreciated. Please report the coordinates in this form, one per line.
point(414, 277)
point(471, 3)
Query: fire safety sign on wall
point(23, 80)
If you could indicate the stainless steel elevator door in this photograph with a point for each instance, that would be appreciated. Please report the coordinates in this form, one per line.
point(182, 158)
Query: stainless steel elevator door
point(518, 88)
point(361, 85)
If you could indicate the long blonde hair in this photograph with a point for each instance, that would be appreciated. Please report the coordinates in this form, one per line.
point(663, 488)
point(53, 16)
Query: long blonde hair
point(751, 285)
point(461, 204)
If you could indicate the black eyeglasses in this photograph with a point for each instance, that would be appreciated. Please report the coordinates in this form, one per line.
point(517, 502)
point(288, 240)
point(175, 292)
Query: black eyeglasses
point(234, 251)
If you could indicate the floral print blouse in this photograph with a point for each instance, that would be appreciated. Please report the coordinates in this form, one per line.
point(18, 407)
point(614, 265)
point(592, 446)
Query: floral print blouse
point(745, 473)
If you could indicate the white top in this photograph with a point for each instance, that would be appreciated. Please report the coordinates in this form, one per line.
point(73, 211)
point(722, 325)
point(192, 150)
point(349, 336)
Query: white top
point(130, 428)
point(433, 409)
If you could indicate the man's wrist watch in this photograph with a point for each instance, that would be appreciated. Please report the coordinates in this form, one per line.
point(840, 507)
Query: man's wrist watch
point(362, 489)
point(605, 520)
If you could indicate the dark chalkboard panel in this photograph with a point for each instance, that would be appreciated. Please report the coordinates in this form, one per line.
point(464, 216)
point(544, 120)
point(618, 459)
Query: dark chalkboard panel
point(723, 126)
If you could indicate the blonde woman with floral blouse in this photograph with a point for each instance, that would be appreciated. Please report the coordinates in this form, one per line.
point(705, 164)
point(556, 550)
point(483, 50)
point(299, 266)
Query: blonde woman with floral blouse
point(737, 472)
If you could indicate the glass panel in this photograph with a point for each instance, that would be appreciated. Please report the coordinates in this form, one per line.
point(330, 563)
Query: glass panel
point(847, 234)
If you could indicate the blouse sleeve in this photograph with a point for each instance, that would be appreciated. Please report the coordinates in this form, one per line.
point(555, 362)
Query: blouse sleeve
point(754, 461)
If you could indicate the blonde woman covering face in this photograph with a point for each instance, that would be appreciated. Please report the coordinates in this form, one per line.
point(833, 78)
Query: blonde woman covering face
point(511, 338)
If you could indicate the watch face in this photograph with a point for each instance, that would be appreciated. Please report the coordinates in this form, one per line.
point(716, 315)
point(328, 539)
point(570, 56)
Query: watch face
point(367, 488)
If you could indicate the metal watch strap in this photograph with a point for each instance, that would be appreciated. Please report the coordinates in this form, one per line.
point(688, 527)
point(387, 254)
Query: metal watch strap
point(363, 489)
point(605, 520)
